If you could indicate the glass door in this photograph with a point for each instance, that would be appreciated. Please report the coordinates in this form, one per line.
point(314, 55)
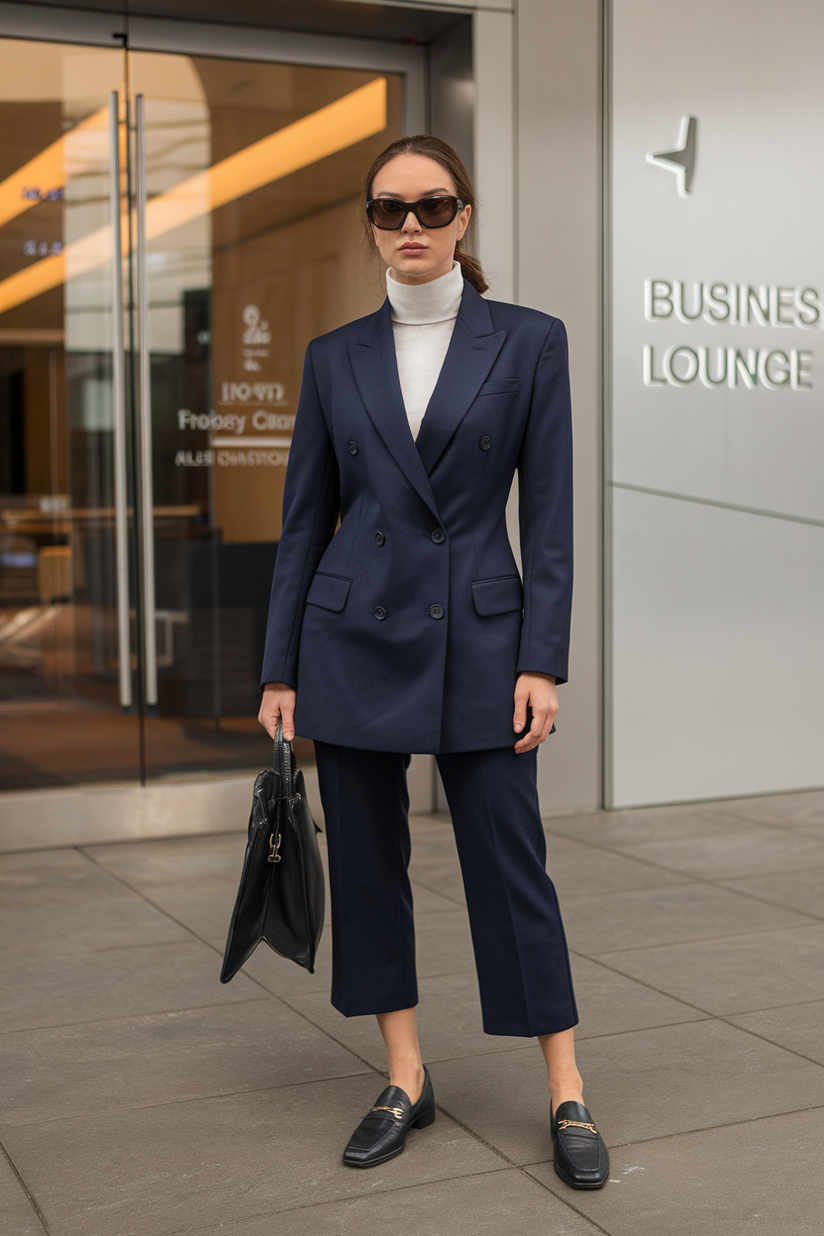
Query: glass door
point(67, 689)
point(249, 206)
point(173, 231)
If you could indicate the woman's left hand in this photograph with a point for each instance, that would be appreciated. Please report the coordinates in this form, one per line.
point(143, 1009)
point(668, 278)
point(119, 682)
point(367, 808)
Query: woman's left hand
point(538, 692)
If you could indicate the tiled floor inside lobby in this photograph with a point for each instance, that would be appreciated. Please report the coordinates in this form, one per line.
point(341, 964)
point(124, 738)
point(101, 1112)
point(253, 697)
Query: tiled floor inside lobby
point(142, 1098)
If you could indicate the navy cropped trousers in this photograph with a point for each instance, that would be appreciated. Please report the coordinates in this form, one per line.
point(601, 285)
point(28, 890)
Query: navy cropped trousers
point(517, 933)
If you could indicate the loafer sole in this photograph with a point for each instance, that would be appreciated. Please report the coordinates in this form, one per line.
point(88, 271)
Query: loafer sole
point(390, 1154)
point(579, 1184)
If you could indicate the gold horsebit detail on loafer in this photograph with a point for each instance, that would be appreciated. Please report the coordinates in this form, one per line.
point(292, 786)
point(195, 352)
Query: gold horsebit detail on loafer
point(397, 1112)
point(576, 1124)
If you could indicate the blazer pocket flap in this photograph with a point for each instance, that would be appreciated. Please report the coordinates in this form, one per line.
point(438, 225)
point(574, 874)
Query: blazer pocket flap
point(498, 596)
point(500, 386)
point(329, 591)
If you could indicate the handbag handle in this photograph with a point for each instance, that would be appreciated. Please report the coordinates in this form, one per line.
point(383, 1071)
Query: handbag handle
point(282, 761)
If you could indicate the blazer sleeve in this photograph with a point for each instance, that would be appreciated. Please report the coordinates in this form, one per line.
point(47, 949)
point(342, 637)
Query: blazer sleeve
point(311, 504)
point(545, 514)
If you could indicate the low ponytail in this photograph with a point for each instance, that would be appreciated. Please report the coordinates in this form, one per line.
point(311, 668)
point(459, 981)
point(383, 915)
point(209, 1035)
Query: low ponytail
point(451, 162)
point(471, 269)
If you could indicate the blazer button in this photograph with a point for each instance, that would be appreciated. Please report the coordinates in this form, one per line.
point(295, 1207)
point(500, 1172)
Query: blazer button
point(436, 611)
point(438, 536)
point(484, 443)
point(353, 448)
point(380, 612)
point(380, 539)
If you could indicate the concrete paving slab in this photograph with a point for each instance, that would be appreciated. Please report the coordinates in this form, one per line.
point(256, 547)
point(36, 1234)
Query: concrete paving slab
point(799, 1027)
point(812, 829)
point(665, 916)
point(615, 828)
point(429, 902)
point(449, 1022)
point(797, 890)
point(60, 902)
point(638, 1086)
point(165, 1057)
point(611, 1003)
point(761, 1176)
point(735, 974)
point(193, 880)
point(732, 854)
point(508, 1201)
point(63, 989)
point(112, 923)
point(148, 1115)
point(585, 871)
point(655, 1083)
point(783, 810)
point(443, 944)
point(435, 865)
point(32, 880)
point(449, 1014)
point(18, 1215)
point(203, 1164)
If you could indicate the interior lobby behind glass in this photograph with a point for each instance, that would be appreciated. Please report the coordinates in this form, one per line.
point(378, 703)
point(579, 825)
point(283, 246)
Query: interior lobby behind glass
point(131, 629)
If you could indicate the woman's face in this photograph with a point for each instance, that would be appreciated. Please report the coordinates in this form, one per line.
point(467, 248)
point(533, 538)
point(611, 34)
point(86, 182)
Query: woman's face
point(416, 254)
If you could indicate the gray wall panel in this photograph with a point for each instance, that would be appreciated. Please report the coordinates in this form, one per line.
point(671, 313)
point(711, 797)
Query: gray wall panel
point(717, 613)
point(559, 272)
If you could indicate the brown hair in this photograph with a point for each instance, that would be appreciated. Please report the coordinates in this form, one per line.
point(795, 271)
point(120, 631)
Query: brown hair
point(451, 162)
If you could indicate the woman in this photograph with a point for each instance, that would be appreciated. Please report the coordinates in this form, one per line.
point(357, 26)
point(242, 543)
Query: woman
point(408, 630)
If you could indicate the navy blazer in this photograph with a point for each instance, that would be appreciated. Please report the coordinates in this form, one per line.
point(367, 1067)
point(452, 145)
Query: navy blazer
point(405, 630)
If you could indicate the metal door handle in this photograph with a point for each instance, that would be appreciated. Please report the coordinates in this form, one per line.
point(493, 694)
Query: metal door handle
point(145, 420)
point(121, 511)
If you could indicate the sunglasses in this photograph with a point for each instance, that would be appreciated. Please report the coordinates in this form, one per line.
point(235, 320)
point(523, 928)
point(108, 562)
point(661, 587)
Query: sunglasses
point(389, 213)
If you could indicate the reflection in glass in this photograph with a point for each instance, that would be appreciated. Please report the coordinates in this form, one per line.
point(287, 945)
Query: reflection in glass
point(253, 175)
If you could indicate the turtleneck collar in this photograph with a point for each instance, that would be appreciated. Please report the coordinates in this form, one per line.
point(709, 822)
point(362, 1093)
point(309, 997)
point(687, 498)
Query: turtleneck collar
point(418, 304)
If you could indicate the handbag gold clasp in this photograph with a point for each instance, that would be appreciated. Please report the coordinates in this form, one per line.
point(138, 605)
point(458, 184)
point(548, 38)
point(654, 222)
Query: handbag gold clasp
point(274, 847)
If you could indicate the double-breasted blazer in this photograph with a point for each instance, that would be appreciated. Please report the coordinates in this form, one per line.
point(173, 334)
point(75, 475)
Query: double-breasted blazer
point(405, 629)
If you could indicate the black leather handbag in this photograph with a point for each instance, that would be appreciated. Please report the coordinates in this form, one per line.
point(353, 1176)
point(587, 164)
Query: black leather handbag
point(281, 898)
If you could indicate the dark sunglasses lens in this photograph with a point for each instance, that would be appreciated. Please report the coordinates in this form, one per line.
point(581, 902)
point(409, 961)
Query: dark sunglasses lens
point(387, 213)
point(437, 211)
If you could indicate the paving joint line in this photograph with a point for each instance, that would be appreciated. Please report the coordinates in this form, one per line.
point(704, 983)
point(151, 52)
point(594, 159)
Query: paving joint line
point(29, 1195)
point(595, 959)
point(761, 899)
point(161, 1103)
point(764, 1039)
point(215, 950)
point(349, 1197)
point(698, 879)
point(723, 935)
point(709, 1128)
point(88, 845)
point(521, 1169)
point(133, 1017)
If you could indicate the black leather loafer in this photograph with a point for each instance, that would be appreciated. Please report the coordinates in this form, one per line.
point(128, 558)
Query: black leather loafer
point(382, 1134)
point(581, 1158)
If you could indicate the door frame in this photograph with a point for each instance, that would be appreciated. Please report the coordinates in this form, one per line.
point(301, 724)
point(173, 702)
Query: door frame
point(160, 34)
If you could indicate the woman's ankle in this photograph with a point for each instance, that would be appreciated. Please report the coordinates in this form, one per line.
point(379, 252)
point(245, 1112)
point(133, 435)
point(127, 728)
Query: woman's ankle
point(410, 1078)
point(566, 1089)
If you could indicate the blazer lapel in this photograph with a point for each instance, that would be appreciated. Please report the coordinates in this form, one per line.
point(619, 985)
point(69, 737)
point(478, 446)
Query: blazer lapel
point(472, 352)
point(376, 374)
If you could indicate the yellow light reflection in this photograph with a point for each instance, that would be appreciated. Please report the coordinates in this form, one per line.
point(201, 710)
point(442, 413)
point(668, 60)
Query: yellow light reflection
point(348, 120)
point(44, 173)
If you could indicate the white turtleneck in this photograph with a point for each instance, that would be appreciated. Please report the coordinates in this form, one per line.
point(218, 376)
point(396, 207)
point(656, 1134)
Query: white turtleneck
point(423, 319)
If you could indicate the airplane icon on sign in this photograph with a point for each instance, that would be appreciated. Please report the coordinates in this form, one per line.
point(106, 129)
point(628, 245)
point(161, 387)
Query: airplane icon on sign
point(682, 159)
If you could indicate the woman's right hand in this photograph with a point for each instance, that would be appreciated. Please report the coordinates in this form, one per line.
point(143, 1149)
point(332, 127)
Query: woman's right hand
point(278, 702)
